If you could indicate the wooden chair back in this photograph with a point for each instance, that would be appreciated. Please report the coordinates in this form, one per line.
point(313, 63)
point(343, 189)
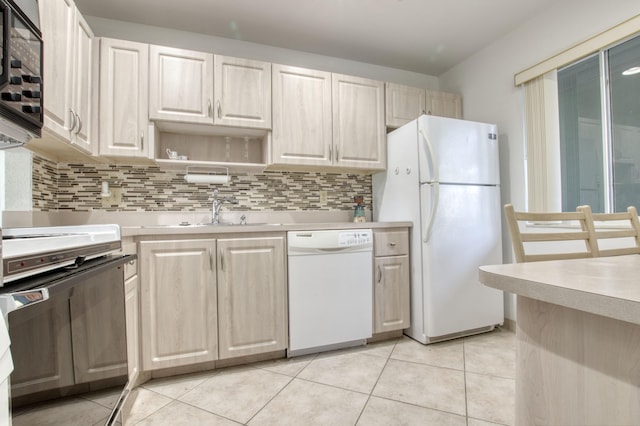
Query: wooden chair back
point(543, 244)
point(621, 230)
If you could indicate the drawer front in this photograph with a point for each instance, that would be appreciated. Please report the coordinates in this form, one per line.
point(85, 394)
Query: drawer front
point(391, 242)
point(130, 269)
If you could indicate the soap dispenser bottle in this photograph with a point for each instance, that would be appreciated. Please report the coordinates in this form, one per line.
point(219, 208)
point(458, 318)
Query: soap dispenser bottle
point(358, 211)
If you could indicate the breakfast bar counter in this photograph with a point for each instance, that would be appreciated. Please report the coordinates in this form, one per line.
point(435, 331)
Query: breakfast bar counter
point(578, 332)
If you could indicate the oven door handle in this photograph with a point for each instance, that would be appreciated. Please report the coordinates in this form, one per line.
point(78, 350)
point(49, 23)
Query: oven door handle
point(10, 302)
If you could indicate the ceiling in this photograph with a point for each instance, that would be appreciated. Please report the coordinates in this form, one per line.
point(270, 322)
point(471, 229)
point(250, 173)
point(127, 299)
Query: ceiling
point(424, 36)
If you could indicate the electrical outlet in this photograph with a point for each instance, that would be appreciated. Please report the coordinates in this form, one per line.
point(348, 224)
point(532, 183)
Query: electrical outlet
point(114, 198)
point(323, 197)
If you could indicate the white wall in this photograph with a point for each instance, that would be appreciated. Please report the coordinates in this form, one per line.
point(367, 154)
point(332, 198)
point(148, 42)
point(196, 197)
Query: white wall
point(486, 81)
point(242, 49)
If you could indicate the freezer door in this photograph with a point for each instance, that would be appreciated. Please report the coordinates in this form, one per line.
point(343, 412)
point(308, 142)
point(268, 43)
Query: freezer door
point(465, 235)
point(458, 151)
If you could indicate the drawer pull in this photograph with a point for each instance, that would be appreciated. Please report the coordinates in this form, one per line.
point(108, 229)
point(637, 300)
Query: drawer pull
point(392, 244)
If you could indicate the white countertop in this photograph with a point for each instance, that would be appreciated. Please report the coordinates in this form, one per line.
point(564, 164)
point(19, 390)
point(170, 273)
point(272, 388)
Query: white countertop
point(607, 286)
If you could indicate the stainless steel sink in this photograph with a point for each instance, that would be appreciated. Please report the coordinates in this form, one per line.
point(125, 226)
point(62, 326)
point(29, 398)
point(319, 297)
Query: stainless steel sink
point(202, 225)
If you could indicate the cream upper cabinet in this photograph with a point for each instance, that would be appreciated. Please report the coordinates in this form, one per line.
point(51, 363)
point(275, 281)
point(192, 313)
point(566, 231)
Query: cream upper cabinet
point(67, 74)
point(242, 92)
point(180, 85)
point(359, 137)
point(252, 310)
point(84, 96)
point(406, 103)
point(391, 300)
point(444, 104)
point(124, 100)
point(403, 104)
point(302, 132)
point(178, 302)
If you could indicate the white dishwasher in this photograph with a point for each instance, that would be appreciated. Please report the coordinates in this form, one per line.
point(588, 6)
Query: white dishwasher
point(330, 289)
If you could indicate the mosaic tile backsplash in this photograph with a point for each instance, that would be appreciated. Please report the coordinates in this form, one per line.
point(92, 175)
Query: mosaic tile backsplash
point(77, 187)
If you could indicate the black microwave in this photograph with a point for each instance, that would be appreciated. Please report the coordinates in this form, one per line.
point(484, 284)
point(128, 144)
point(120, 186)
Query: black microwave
point(21, 106)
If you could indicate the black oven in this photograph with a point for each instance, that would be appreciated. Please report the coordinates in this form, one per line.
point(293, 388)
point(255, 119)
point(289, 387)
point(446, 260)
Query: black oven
point(74, 342)
point(20, 67)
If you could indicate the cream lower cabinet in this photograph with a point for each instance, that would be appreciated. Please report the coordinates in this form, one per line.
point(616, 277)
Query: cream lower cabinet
point(391, 280)
point(131, 290)
point(252, 310)
point(178, 306)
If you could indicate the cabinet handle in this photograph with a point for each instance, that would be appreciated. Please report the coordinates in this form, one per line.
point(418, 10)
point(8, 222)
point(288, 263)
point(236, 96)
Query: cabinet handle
point(210, 259)
point(221, 260)
point(79, 123)
point(219, 107)
point(392, 244)
point(379, 274)
point(142, 140)
point(337, 154)
point(209, 108)
point(330, 153)
point(73, 120)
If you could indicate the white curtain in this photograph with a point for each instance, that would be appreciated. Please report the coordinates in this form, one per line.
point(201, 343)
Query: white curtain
point(542, 138)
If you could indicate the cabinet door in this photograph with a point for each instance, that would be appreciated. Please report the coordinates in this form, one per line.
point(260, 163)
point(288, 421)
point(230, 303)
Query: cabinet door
point(302, 133)
point(131, 301)
point(98, 328)
point(83, 93)
point(178, 303)
point(181, 85)
point(391, 294)
point(359, 136)
point(57, 21)
point(403, 104)
point(242, 92)
point(252, 310)
point(42, 335)
point(444, 104)
point(124, 111)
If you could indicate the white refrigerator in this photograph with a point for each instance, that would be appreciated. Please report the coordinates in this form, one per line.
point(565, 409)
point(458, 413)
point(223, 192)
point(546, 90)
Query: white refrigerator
point(443, 175)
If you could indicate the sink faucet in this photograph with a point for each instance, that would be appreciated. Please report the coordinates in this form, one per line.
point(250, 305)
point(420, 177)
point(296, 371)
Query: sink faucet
point(217, 203)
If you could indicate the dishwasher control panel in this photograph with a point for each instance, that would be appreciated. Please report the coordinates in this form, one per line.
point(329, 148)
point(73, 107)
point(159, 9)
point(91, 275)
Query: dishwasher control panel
point(354, 238)
point(305, 242)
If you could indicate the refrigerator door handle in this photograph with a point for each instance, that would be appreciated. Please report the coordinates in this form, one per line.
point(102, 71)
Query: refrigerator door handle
point(432, 158)
point(434, 210)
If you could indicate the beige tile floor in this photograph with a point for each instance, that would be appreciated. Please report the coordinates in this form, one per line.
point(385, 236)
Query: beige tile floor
point(468, 381)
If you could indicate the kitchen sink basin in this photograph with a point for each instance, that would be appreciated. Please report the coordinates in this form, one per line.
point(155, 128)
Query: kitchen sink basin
point(202, 225)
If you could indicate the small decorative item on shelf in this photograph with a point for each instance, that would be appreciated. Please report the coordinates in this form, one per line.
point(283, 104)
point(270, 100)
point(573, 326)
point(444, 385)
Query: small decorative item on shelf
point(358, 212)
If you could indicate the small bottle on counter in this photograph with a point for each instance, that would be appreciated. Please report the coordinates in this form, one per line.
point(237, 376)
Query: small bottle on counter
point(358, 211)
